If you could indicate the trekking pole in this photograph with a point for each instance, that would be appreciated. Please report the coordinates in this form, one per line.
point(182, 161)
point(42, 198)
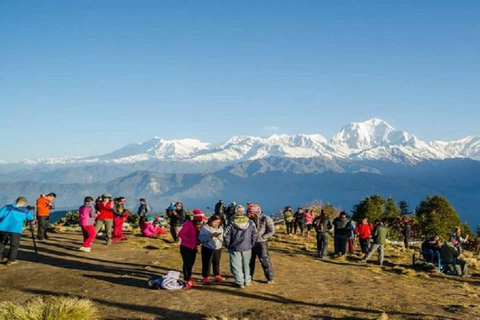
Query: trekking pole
point(34, 242)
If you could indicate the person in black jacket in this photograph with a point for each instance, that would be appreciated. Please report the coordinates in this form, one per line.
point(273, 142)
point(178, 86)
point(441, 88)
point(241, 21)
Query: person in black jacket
point(220, 210)
point(177, 218)
point(407, 232)
point(341, 225)
point(322, 225)
point(299, 221)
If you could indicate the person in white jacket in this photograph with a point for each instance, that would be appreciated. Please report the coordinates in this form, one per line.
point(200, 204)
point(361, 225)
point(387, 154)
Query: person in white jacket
point(211, 238)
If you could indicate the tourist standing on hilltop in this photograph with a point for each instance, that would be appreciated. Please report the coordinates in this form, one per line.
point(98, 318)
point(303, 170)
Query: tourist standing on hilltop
point(288, 218)
point(86, 220)
point(309, 216)
point(380, 234)
point(44, 205)
point(265, 230)
point(12, 219)
point(120, 214)
point(323, 225)
point(364, 231)
point(176, 220)
point(220, 211)
point(105, 216)
point(341, 226)
point(407, 231)
point(231, 211)
point(188, 245)
point(299, 221)
point(239, 238)
point(211, 238)
point(143, 210)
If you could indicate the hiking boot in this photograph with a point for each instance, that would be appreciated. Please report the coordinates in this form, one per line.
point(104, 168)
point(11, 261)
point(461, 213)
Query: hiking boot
point(271, 281)
point(85, 249)
point(206, 280)
point(219, 278)
point(9, 263)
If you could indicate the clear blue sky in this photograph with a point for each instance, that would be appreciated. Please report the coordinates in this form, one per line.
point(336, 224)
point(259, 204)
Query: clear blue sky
point(88, 77)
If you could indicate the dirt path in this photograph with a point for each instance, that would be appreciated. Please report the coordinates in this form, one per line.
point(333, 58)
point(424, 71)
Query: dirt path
point(115, 278)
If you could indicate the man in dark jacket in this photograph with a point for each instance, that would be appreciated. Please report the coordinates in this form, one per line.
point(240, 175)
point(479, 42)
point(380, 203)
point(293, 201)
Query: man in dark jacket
point(407, 232)
point(231, 211)
point(265, 230)
point(288, 218)
point(299, 221)
point(176, 221)
point(380, 234)
point(220, 210)
point(449, 254)
point(342, 227)
point(322, 226)
point(143, 210)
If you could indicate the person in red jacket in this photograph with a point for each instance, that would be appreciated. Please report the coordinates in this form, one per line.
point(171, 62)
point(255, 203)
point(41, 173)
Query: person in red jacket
point(364, 230)
point(120, 214)
point(105, 217)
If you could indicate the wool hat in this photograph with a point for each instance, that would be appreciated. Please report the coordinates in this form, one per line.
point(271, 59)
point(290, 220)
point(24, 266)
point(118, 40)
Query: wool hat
point(254, 209)
point(21, 199)
point(150, 219)
point(107, 195)
point(239, 210)
point(198, 215)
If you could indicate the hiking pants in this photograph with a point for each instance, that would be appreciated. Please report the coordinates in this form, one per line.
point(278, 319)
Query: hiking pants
point(174, 232)
point(118, 228)
point(289, 226)
point(376, 247)
point(43, 225)
point(463, 266)
point(240, 266)
point(340, 242)
point(260, 250)
point(406, 241)
point(300, 225)
point(351, 245)
point(14, 244)
point(364, 245)
point(89, 235)
point(188, 257)
point(108, 223)
point(210, 258)
point(322, 243)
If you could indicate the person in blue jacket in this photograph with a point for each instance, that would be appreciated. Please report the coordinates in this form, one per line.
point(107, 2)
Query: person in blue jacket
point(12, 219)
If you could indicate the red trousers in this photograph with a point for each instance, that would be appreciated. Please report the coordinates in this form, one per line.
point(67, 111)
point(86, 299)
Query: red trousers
point(89, 235)
point(351, 245)
point(118, 229)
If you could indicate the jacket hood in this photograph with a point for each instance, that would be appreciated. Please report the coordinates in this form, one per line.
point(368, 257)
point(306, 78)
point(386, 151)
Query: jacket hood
point(240, 222)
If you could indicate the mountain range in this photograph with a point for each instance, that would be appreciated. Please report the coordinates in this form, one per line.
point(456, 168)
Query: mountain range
point(363, 158)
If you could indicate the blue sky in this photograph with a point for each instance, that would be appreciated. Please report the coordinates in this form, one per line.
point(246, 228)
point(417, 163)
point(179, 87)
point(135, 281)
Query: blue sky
point(87, 77)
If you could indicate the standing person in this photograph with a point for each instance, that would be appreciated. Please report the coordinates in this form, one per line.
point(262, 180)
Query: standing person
point(380, 234)
point(265, 230)
point(12, 219)
point(105, 216)
point(44, 205)
point(239, 238)
point(341, 226)
point(143, 210)
point(299, 221)
point(220, 211)
point(351, 238)
point(364, 231)
point(309, 216)
point(211, 238)
point(120, 214)
point(188, 246)
point(288, 218)
point(86, 220)
point(231, 211)
point(323, 226)
point(176, 221)
point(407, 232)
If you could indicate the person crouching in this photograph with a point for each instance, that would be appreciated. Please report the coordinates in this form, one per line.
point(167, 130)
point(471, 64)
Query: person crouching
point(211, 238)
point(188, 245)
point(86, 219)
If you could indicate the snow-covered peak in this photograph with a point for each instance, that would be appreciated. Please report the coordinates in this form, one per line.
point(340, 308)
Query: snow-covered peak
point(468, 147)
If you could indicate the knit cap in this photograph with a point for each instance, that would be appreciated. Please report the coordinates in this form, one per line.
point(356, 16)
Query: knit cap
point(239, 210)
point(198, 215)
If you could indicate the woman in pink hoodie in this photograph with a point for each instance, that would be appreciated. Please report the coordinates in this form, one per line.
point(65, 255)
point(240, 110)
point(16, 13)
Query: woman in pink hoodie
point(188, 245)
point(309, 216)
point(86, 219)
point(149, 229)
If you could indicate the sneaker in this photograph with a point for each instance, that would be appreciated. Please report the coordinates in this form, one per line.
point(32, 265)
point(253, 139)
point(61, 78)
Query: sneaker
point(239, 286)
point(187, 286)
point(219, 278)
point(109, 242)
point(248, 284)
point(363, 261)
point(9, 263)
point(206, 280)
point(271, 281)
point(85, 249)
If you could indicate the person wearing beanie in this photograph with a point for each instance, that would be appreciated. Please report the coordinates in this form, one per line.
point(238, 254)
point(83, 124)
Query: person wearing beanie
point(211, 238)
point(12, 218)
point(265, 230)
point(188, 245)
point(177, 218)
point(105, 206)
point(86, 220)
point(239, 238)
point(149, 229)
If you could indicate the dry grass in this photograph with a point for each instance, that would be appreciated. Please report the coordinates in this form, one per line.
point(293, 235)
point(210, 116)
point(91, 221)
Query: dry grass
point(50, 308)
point(222, 317)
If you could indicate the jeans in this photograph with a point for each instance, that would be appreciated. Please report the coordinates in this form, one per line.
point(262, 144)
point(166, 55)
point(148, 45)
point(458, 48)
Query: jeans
point(108, 223)
point(240, 266)
point(14, 244)
point(210, 258)
point(174, 232)
point(340, 242)
point(43, 225)
point(289, 226)
point(260, 250)
point(376, 247)
point(188, 257)
point(406, 241)
point(322, 243)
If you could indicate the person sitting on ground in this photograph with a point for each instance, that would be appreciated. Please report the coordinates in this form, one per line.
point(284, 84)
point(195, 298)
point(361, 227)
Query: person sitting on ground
point(364, 231)
point(309, 216)
point(288, 218)
point(143, 210)
point(323, 226)
point(299, 221)
point(239, 238)
point(151, 230)
point(380, 234)
point(12, 219)
point(44, 205)
point(457, 240)
point(449, 254)
point(430, 244)
point(342, 230)
point(86, 220)
point(188, 245)
point(211, 238)
point(120, 214)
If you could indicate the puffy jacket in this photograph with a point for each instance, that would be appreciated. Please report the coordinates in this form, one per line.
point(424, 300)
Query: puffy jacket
point(149, 229)
point(12, 218)
point(189, 235)
point(309, 216)
point(240, 234)
point(106, 210)
point(288, 215)
point(205, 236)
point(43, 207)
point(364, 230)
point(448, 253)
point(380, 234)
point(342, 226)
point(322, 224)
point(86, 215)
point(265, 227)
point(178, 218)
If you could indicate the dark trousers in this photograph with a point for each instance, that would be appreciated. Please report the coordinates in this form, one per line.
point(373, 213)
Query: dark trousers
point(260, 250)
point(43, 225)
point(289, 226)
point(14, 239)
point(188, 257)
point(406, 241)
point(210, 258)
point(340, 244)
point(300, 225)
point(364, 245)
point(174, 232)
point(322, 243)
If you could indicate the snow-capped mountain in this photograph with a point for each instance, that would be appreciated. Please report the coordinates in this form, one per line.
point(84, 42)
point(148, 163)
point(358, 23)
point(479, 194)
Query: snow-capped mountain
point(373, 139)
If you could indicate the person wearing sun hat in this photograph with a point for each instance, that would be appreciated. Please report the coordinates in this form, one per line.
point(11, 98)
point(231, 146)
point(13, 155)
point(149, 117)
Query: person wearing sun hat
point(188, 245)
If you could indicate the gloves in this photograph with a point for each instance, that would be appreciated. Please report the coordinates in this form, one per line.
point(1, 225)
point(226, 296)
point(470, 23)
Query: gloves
point(31, 208)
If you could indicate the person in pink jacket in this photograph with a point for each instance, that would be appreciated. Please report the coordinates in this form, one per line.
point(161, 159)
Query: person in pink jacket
point(86, 219)
point(149, 229)
point(188, 245)
point(309, 216)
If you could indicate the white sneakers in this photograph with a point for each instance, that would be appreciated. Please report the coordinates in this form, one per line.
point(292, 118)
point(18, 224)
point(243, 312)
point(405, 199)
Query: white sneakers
point(84, 249)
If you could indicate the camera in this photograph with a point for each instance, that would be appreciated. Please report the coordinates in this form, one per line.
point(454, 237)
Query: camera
point(31, 208)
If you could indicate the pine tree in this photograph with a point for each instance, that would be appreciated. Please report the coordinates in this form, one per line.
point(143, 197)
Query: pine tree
point(403, 205)
point(436, 217)
point(372, 208)
point(391, 211)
